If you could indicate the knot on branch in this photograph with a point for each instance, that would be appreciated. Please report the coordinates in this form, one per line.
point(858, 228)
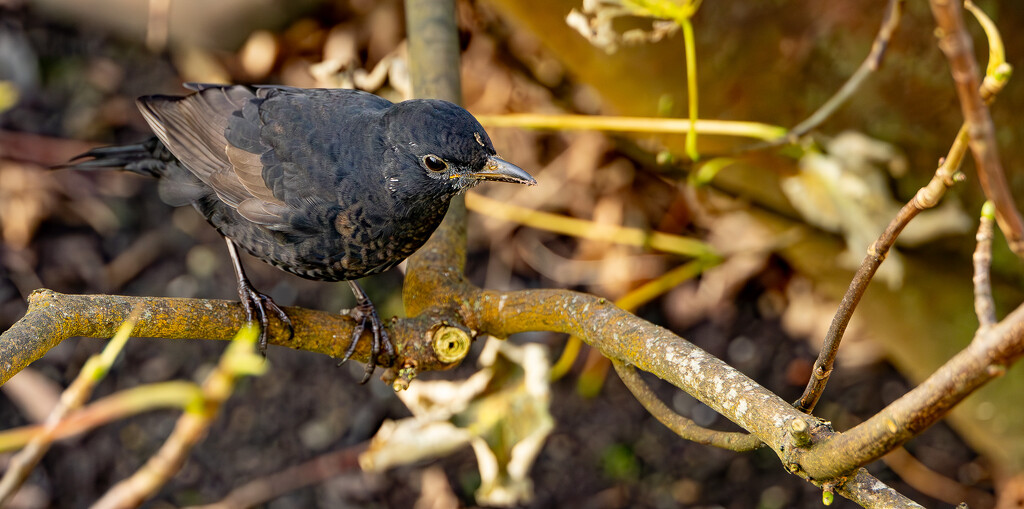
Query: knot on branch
point(429, 342)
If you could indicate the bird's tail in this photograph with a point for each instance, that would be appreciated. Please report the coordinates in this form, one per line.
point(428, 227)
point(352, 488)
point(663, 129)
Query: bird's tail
point(150, 158)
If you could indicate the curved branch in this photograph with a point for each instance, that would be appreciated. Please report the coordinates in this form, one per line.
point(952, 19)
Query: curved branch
point(680, 425)
point(890, 21)
point(622, 336)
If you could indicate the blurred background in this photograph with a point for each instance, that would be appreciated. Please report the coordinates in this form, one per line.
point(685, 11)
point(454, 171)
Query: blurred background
point(71, 69)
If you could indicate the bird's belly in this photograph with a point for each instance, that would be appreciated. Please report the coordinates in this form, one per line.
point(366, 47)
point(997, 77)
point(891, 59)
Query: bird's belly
point(341, 261)
point(327, 255)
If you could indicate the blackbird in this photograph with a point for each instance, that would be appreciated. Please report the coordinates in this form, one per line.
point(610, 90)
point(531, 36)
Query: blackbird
point(329, 185)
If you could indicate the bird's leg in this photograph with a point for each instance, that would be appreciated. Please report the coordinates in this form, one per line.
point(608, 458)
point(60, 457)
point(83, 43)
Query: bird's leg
point(362, 313)
point(255, 303)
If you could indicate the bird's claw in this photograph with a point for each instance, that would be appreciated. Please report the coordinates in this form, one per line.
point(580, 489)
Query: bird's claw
point(365, 312)
point(362, 315)
point(256, 305)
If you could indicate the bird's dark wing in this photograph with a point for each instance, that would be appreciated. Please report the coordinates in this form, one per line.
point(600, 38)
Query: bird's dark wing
point(309, 142)
point(268, 152)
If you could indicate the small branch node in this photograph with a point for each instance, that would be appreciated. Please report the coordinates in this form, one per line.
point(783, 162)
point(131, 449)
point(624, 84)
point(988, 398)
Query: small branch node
point(995, 370)
point(878, 252)
point(800, 432)
point(821, 373)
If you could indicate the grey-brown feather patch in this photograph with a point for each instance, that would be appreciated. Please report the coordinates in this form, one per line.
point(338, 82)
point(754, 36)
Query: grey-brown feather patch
point(193, 128)
point(249, 170)
point(228, 188)
point(268, 215)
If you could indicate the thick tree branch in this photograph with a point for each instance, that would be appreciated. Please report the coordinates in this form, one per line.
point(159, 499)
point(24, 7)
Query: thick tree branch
point(53, 317)
point(616, 333)
point(622, 336)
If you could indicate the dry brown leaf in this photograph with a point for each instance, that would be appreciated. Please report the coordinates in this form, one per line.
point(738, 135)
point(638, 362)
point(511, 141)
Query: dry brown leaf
point(501, 410)
point(27, 197)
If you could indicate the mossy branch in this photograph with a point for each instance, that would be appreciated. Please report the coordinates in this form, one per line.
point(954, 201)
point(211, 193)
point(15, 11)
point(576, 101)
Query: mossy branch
point(53, 317)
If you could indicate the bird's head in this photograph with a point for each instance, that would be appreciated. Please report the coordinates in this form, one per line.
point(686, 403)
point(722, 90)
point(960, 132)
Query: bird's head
point(440, 149)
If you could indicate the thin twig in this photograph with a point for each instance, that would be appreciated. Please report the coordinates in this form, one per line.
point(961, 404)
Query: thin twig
point(582, 228)
point(634, 124)
point(175, 394)
point(890, 22)
point(928, 196)
point(680, 425)
point(955, 43)
point(312, 472)
point(984, 307)
point(689, 46)
point(94, 370)
point(239, 359)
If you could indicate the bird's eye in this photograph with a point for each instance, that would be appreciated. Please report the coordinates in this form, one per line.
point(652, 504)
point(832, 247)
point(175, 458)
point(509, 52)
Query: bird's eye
point(434, 163)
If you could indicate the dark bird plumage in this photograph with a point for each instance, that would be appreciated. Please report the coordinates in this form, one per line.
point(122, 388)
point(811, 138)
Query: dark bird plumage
point(326, 184)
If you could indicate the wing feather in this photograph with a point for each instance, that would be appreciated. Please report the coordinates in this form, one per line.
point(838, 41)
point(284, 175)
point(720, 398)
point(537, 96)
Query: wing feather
point(269, 152)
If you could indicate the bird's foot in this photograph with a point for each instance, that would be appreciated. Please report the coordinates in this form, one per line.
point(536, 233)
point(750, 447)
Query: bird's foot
point(257, 305)
point(364, 313)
